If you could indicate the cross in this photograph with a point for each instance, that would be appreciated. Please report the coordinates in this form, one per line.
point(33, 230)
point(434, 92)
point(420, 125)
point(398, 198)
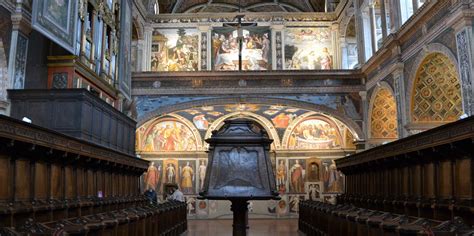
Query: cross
point(240, 36)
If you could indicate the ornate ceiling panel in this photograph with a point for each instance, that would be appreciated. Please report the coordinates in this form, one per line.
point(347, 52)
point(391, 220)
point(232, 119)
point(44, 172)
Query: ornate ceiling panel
point(193, 6)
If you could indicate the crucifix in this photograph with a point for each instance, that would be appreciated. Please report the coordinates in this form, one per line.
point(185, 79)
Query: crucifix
point(240, 36)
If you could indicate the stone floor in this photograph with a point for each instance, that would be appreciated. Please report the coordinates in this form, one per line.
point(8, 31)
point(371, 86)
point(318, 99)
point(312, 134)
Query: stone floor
point(257, 227)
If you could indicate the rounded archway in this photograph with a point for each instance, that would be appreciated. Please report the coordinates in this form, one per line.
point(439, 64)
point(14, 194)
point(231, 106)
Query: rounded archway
point(436, 95)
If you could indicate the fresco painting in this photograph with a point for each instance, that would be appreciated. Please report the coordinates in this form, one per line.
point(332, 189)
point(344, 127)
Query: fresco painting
point(169, 135)
point(314, 133)
point(308, 49)
point(175, 50)
point(256, 48)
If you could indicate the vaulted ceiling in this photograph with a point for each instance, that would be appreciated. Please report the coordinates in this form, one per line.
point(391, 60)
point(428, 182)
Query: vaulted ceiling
point(194, 6)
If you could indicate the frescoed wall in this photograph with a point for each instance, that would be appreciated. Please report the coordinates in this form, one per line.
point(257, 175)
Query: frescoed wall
point(308, 49)
point(174, 142)
point(175, 49)
point(256, 48)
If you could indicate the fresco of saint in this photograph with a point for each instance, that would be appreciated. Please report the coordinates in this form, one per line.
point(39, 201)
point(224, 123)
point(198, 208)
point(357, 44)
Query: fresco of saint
point(187, 178)
point(297, 176)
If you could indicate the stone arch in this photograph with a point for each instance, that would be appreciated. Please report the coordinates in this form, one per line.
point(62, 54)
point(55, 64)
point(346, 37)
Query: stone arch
point(349, 122)
point(147, 125)
point(435, 90)
point(412, 73)
point(269, 127)
point(289, 130)
point(383, 110)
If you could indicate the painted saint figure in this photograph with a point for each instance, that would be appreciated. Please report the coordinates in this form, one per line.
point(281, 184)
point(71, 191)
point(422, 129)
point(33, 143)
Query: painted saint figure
point(297, 177)
point(202, 173)
point(152, 177)
point(187, 177)
point(281, 174)
point(171, 172)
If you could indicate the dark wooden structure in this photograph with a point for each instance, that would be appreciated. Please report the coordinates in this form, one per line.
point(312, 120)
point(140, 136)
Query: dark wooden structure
point(239, 168)
point(428, 176)
point(52, 183)
point(78, 113)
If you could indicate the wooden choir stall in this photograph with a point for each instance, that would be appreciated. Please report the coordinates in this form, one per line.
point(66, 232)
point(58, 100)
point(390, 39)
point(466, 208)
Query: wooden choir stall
point(419, 185)
point(53, 184)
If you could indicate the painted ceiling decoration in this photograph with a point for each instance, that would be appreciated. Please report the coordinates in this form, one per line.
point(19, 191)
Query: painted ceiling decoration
point(290, 128)
point(195, 6)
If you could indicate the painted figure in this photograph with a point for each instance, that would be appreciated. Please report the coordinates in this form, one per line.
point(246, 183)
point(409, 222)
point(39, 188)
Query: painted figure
point(202, 173)
point(152, 177)
point(281, 175)
point(187, 177)
point(297, 177)
point(171, 173)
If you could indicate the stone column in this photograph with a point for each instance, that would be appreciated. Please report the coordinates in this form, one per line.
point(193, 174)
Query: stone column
point(146, 60)
point(465, 56)
point(383, 17)
point(373, 28)
point(21, 28)
point(206, 47)
point(395, 16)
point(359, 32)
point(277, 47)
point(337, 62)
point(400, 98)
point(344, 58)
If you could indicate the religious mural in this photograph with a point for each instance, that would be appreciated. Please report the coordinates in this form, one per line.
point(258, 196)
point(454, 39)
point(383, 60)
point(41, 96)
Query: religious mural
point(308, 48)
point(314, 133)
point(256, 48)
point(175, 50)
point(297, 177)
point(168, 135)
point(187, 175)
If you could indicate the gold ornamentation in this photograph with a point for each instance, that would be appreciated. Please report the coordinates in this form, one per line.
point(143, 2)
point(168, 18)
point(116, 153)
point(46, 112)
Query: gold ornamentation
point(383, 122)
point(437, 92)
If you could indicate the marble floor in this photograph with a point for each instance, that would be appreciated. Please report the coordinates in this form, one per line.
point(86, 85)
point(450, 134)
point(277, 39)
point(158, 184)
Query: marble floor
point(257, 227)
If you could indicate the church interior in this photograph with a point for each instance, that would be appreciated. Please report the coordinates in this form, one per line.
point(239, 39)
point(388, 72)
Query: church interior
point(170, 117)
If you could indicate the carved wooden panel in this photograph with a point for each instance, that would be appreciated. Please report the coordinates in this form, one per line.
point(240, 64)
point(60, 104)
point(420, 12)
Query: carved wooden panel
point(429, 180)
point(41, 180)
point(22, 180)
point(445, 179)
point(5, 178)
point(464, 183)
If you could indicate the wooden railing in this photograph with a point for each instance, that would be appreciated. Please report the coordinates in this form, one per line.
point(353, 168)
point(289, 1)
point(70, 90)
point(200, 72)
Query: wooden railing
point(428, 175)
point(52, 183)
point(317, 218)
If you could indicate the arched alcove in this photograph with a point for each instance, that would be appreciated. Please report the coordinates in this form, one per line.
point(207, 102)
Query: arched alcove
point(436, 95)
point(383, 114)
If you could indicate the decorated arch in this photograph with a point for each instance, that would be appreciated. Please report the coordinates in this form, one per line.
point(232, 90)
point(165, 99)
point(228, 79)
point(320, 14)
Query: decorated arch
point(436, 95)
point(383, 122)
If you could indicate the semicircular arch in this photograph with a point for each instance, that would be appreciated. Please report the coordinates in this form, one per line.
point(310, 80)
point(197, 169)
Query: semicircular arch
point(348, 121)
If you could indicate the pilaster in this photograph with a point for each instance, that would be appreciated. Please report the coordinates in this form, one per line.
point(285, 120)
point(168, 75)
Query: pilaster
point(337, 62)
point(146, 60)
point(465, 56)
point(277, 46)
point(399, 90)
point(206, 42)
point(365, 109)
point(359, 24)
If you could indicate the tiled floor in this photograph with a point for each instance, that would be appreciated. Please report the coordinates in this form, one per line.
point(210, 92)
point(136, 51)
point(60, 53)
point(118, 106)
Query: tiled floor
point(257, 227)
